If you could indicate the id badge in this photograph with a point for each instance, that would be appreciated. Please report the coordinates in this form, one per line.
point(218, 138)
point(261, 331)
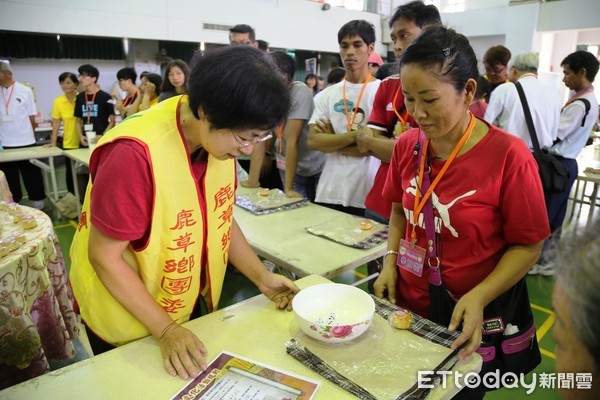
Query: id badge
point(7, 118)
point(411, 258)
point(88, 127)
point(281, 163)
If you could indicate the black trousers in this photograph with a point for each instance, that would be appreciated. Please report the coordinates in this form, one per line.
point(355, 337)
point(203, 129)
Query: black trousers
point(32, 179)
point(556, 206)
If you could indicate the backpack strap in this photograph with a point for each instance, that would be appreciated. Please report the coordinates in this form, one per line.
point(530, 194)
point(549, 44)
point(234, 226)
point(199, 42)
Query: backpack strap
point(588, 106)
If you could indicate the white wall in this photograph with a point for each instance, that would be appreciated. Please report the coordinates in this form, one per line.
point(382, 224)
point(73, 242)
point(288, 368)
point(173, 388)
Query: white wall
point(296, 24)
point(570, 14)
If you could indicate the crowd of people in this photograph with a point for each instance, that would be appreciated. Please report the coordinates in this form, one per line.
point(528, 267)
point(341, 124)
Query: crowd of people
point(438, 151)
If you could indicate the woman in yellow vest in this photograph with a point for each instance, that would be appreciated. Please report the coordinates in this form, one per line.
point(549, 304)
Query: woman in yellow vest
point(157, 229)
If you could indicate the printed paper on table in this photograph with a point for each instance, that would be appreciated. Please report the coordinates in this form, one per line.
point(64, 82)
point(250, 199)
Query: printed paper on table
point(232, 377)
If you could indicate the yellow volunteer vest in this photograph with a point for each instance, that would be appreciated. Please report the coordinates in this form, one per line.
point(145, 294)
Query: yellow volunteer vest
point(170, 266)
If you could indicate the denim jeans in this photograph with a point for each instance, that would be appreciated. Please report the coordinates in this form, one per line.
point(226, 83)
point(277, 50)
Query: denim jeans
point(307, 186)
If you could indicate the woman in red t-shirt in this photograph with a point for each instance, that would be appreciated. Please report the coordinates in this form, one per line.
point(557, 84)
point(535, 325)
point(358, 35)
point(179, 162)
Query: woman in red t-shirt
point(489, 219)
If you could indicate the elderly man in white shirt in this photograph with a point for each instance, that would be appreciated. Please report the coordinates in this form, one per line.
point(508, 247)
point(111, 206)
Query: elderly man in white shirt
point(505, 109)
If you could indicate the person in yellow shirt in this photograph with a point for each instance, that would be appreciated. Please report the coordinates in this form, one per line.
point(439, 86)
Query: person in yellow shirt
point(62, 112)
point(157, 227)
point(149, 92)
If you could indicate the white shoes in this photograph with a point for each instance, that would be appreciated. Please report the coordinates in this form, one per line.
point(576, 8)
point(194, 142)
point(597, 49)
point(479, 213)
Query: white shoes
point(39, 204)
point(542, 269)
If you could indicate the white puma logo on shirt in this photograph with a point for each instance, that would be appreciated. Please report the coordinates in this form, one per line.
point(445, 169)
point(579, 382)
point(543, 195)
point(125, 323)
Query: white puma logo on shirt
point(443, 209)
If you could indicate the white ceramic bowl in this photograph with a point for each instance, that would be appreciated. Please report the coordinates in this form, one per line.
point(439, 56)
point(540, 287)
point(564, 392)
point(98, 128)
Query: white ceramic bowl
point(333, 312)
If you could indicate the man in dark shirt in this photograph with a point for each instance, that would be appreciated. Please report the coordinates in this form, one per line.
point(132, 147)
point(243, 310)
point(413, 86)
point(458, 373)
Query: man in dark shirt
point(94, 108)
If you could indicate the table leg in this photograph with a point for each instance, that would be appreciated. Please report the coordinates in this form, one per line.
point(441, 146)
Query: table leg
point(53, 178)
point(574, 199)
point(593, 199)
point(75, 185)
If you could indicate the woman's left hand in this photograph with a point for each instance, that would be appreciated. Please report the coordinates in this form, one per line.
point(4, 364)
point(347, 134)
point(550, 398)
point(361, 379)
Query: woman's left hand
point(279, 289)
point(469, 311)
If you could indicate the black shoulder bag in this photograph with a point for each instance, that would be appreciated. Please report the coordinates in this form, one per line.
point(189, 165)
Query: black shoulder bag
point(553, 174)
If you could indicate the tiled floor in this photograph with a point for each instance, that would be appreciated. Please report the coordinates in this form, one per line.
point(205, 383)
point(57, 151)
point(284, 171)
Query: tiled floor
point(238, 288)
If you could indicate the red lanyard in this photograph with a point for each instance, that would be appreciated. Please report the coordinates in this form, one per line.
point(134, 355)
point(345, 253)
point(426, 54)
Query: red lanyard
point(420, 203)
point(87, 105)
point(578, 95)
point(402, 120)
point(7, 102)
point(280, 136)
point(362, 91)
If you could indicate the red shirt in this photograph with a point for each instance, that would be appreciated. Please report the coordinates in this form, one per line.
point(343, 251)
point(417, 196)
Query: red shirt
point(383, 118)
point(490, 197)
point(122, 197)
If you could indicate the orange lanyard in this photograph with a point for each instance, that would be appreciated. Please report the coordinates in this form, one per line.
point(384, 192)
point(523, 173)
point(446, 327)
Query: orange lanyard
point(280, 136)
point(578, 95)
point(402, 120)
point(129, 99)
point(7, 102)
point(87, 105)
point(362, 91)
point(420, 203)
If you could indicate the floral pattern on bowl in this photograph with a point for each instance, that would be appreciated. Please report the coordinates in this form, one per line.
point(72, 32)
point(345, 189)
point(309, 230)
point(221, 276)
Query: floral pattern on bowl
point(345, 332)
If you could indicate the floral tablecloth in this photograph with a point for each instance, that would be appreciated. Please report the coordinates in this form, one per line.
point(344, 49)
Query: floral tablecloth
point(37, 319)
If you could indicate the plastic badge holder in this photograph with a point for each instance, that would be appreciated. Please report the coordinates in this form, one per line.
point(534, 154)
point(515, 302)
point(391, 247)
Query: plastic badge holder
point(384, 361)
point(346, 230)
point(275, 201)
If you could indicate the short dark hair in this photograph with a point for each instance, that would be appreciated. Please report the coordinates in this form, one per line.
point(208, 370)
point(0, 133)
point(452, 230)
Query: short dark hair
point(335, 75)
point(417, 12)
point(359, 27)
point(309, 76)
point(228, 98)
point(127, 73)
point(444, 47)
point(89, 70)
point(483, 87)
point(167, 86)
point(156, 79)
point(497, 55)
point(243, 28)
point(582, 59)
point(63, 77)
point(262, 44)
point(285, 63)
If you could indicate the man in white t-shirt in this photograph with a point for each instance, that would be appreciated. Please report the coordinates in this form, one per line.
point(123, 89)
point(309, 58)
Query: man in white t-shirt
point(505, 109)
point(341, 113)
point(17, 124)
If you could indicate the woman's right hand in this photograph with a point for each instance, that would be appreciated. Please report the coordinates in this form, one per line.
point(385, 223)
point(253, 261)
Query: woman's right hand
point(385, 284)
point(182, 352)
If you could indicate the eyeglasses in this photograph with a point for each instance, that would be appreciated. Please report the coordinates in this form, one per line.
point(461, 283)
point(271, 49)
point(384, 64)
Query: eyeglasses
point(495, 71)
point(243, 143)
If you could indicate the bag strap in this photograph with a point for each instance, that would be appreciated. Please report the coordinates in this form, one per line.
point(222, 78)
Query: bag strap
point(435, 276)
point(527, 112)
point(588, 106)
